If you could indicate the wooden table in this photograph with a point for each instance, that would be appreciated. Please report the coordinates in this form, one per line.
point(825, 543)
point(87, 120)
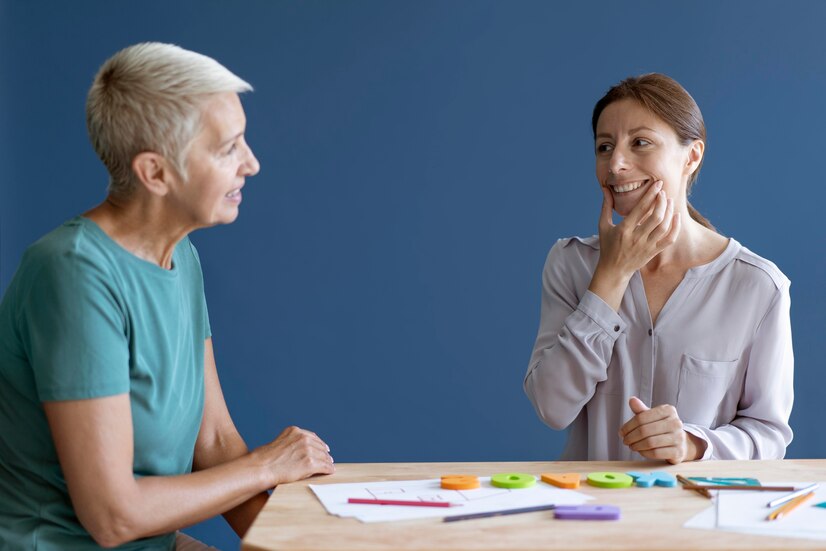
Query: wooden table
point(652, 518)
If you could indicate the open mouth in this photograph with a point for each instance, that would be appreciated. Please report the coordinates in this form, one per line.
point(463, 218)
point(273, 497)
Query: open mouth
point(235, 193)
point(628, 186)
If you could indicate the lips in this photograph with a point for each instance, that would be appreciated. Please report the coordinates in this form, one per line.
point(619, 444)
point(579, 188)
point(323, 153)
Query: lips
point(625, 187)
point(235, 193)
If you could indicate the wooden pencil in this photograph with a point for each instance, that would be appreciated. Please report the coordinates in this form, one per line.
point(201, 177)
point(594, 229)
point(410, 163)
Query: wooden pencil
point(747, 488)
point(689, 485)
point(784, 510)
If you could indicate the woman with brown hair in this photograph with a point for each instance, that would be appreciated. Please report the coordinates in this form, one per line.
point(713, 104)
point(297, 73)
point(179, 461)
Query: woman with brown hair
point(660, 310)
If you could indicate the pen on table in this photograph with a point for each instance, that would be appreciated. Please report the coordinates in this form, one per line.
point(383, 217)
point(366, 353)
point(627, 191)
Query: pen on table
point(499, 513)
point(746, 487)
point(791, 496)
point(365, 501)
point(692, 486)
point(790, 506)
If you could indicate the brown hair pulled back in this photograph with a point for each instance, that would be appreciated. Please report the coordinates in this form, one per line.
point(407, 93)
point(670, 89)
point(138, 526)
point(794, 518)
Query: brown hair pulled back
point(669, 101)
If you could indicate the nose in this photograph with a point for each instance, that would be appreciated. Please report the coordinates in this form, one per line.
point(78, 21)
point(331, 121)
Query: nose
point(250, 166)
point(618, 162)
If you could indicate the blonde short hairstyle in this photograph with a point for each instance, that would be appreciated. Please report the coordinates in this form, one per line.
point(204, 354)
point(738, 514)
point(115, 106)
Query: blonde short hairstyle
point(148, 97)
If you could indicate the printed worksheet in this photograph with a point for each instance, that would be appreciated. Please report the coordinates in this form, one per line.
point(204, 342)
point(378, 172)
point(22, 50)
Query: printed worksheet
point(485, 499)
point(746, 512)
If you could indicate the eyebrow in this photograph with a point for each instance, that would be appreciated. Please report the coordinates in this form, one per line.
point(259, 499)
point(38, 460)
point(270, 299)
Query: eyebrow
point(632, 131)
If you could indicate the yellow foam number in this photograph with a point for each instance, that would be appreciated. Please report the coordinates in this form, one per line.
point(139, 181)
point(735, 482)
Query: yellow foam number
point(562, 480)
point(610, 480)
point(513, 480)
point(460, 482)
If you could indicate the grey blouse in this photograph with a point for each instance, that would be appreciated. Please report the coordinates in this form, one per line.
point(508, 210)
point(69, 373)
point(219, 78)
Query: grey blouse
point(720, 352)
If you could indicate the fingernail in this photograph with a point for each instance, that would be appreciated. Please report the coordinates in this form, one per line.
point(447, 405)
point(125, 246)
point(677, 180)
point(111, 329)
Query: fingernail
point(659, 184)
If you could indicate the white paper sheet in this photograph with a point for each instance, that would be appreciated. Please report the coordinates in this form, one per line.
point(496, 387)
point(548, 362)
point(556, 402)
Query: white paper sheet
point(488, 498)
point(746, 512)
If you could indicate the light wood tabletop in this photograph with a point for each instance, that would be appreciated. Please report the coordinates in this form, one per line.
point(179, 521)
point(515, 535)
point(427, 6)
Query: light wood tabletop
point(652, 518)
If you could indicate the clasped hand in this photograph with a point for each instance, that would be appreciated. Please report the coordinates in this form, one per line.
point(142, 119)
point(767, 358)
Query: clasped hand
point(295, 455)
point(657, 433)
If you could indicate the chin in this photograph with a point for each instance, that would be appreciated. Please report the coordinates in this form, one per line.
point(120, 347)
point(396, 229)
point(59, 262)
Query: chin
point(229, 219)
point(623, 210)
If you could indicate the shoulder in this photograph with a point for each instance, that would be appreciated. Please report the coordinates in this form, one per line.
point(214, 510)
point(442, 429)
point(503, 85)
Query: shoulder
point(761, 271)
point(575, 245)
point(573, 257)
point(64, 251)
point(574, 248)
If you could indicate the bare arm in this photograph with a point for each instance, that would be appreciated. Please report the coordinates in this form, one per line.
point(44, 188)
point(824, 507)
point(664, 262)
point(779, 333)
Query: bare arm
point(219, 442)
point(94, 442)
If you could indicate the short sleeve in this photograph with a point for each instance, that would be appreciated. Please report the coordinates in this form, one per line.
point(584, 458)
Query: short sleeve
point(73, 329)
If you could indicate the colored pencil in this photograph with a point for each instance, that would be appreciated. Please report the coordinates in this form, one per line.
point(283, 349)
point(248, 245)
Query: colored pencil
point(791, 496)
point(790, 506)
point(499, 513)
point(749, 488)
point(364, 501)
point(689, 485)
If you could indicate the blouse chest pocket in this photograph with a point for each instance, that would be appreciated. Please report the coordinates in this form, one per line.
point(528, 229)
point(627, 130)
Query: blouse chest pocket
point(706, 395)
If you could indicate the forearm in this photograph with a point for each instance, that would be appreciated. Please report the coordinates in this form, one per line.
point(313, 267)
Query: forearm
point(567, 366)
point(227, 446)
point(157, 505)
point(609, 285)
point(746, 438)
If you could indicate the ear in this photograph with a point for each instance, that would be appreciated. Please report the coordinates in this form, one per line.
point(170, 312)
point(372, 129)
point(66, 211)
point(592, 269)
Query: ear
point(153, 171)
point(695, 156)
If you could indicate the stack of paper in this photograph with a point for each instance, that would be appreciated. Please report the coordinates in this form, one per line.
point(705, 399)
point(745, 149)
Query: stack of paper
point(486, 499)
point(746, 512)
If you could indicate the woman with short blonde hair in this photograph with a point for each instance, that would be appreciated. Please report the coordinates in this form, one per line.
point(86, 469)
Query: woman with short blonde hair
point(115, 429)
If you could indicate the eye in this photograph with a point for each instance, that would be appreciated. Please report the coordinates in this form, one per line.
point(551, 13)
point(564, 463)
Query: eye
point(641, 142)
point(232, 148)
point(604, 147)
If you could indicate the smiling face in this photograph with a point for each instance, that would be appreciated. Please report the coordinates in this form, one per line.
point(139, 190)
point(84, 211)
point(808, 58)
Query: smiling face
point(634, 149)
point(217, 163)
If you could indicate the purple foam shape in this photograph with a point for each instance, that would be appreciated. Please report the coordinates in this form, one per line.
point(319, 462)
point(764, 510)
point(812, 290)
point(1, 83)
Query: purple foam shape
point(587, 512)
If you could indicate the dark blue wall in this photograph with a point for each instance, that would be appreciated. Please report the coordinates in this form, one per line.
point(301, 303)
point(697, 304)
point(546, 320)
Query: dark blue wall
point(381, 286)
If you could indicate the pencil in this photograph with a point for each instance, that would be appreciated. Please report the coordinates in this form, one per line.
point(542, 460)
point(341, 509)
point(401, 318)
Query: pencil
point(748, 488)
point(364, 501)
point(791, 496)
point(498, 513)
point(781, 512)
point(689, 485)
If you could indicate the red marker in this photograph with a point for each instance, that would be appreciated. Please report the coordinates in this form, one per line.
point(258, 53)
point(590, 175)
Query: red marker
point(399, 502)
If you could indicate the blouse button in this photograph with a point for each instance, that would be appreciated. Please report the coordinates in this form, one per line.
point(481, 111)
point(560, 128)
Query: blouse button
point(650, 332)
point(616, 328)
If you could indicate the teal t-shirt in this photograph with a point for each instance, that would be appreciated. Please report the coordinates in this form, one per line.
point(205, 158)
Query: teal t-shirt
point(84, 318)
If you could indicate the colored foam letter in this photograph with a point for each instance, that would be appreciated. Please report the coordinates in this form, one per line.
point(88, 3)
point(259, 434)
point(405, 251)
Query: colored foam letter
point(513, 480)
point(665, 479)
point(610, 480)
point(659, 478)
point(587, 512)
point(566, 480)
point(460, 482)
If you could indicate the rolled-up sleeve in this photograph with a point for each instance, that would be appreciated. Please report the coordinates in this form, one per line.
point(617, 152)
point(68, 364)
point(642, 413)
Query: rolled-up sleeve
point(761, 428)
point(573, 347)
